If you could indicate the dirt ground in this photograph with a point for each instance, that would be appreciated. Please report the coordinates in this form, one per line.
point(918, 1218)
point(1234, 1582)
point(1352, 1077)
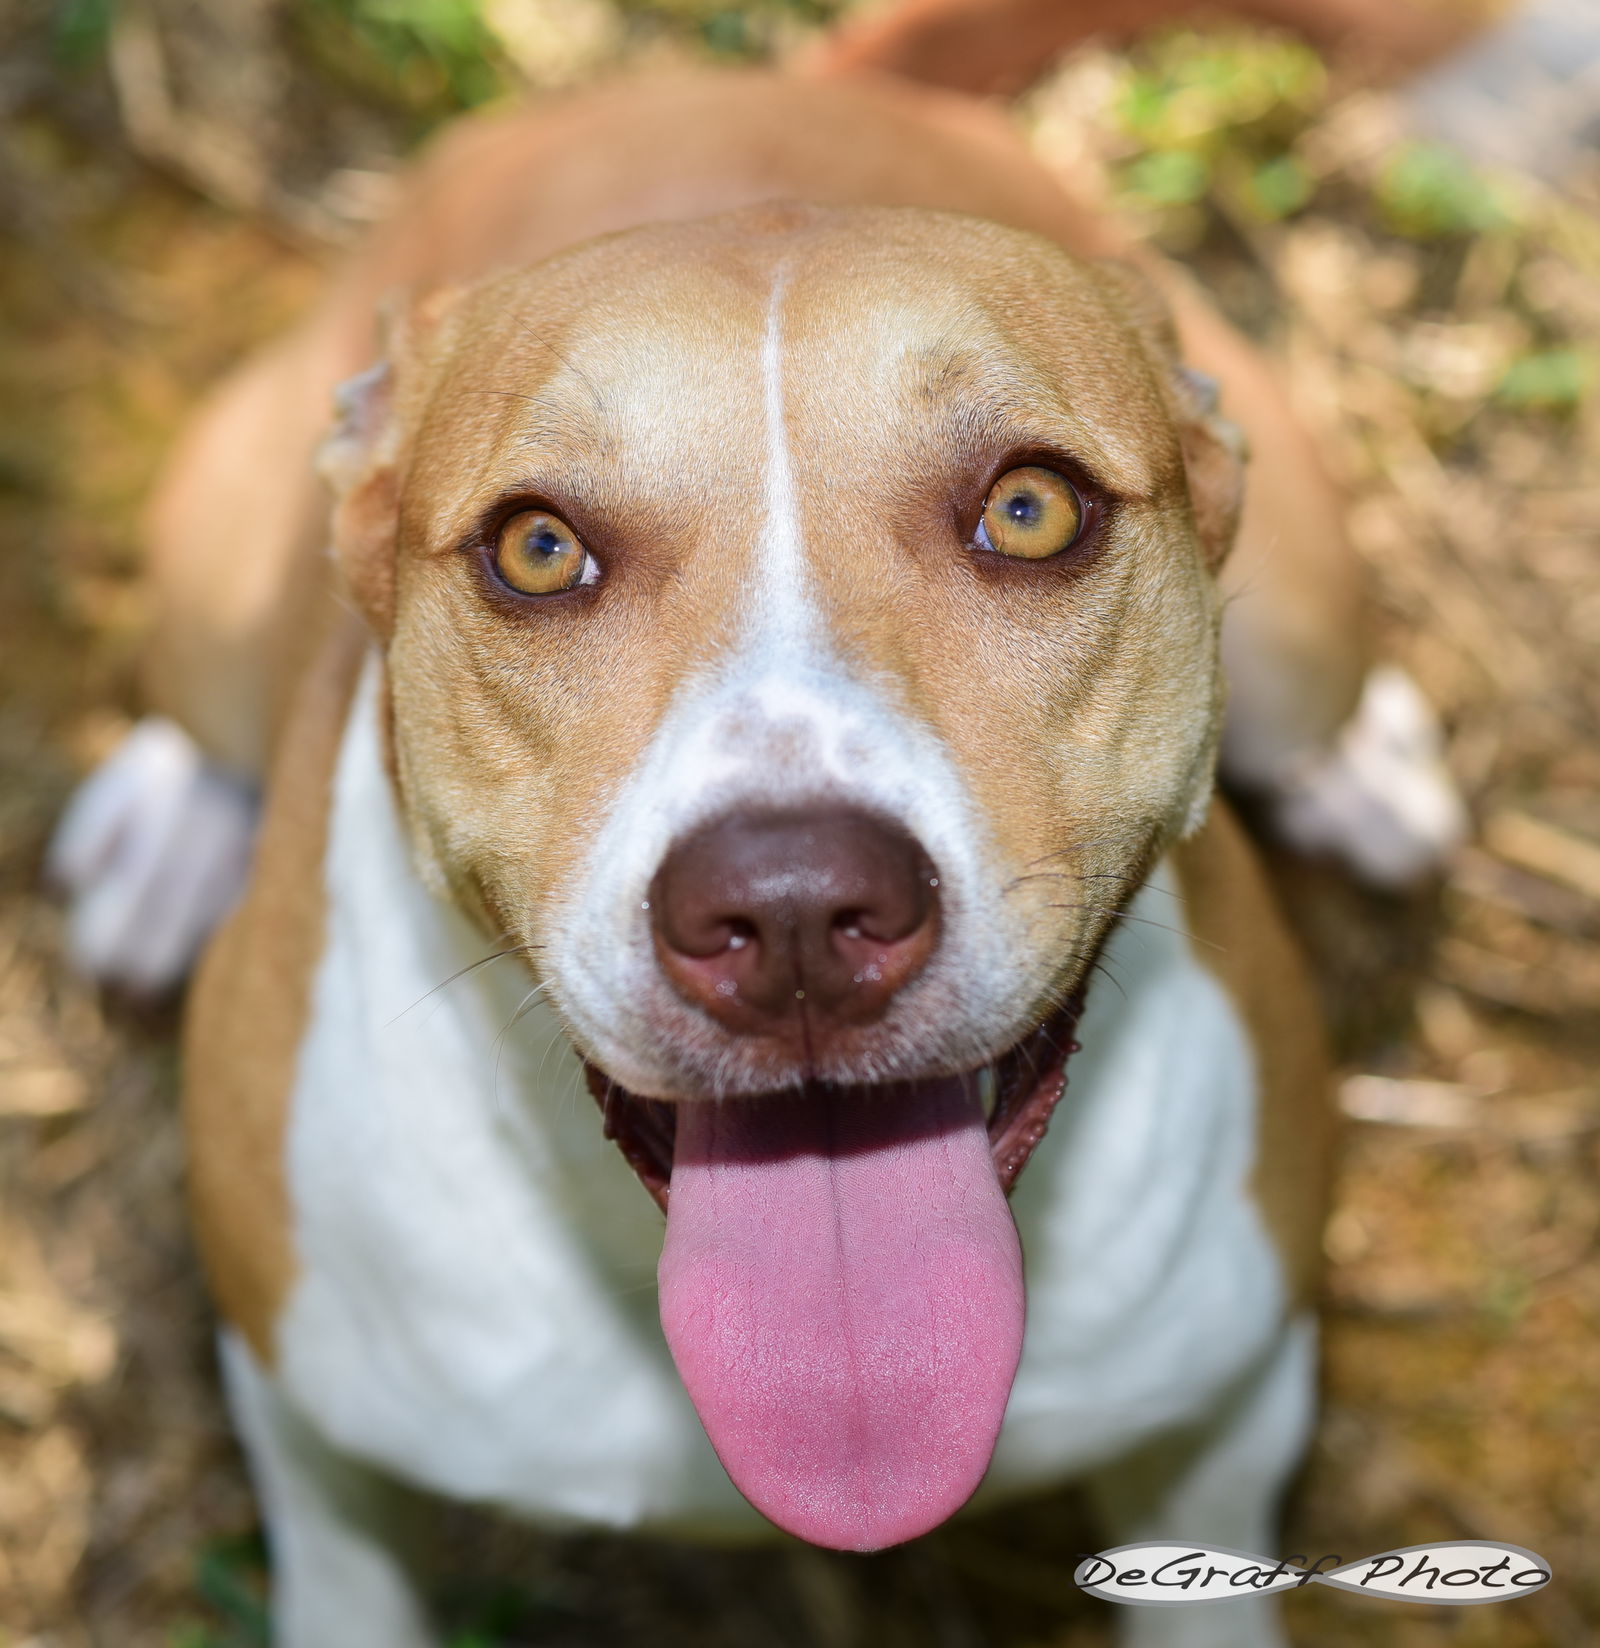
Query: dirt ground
point(1438, 331)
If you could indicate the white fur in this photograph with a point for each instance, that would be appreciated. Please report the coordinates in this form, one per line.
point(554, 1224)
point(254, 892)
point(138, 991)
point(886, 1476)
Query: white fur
point(153, 851)
point(783, 721)
point(783, 617)
point(340, 1578)
point(1226, 1477)
point(476, 1309)
point(1383, 800)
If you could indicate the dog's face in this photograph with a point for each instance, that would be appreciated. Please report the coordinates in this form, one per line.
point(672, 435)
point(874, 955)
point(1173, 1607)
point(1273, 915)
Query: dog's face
point(800, 634)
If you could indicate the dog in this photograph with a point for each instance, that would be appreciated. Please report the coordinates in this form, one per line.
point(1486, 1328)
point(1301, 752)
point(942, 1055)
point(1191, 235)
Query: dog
point(751, 754)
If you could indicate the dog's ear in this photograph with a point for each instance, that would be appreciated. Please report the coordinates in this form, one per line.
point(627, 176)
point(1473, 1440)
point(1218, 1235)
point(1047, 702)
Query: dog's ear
point(1214, 448)
point(361, 457)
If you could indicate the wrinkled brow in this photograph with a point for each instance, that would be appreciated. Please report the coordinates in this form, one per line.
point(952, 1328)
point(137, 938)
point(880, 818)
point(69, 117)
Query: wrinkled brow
point(999, 396)
point(552, 417)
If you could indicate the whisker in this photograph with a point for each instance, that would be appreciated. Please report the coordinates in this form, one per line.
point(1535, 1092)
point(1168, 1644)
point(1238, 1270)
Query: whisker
point(1085, 846)
point(572, 366)
point(518, 1013)
point(608, 1107)
point(1143, 921)
point(461, 972)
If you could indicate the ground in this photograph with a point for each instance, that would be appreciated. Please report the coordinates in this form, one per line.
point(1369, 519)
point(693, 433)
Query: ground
point(1431, 323)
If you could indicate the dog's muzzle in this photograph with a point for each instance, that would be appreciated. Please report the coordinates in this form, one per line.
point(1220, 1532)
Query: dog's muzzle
point(841, 1281)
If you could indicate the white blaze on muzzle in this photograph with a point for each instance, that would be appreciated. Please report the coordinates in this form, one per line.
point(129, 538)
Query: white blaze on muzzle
point(782, 721)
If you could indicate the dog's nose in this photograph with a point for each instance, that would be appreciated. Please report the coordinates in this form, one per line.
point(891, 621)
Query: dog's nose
point(767, 920)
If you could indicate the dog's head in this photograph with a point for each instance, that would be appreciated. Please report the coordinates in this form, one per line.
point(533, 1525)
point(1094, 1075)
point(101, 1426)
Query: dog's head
point(800, 634)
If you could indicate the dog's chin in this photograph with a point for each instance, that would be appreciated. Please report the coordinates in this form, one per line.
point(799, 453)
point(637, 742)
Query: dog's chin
point(1019, 1090)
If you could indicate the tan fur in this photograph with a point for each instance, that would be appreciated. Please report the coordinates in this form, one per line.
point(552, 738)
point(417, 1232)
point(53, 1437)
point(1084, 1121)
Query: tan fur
point(236, 529)
point(1240, 939)
point(1003, 45)
point(1069, 694)
point(247, 1014)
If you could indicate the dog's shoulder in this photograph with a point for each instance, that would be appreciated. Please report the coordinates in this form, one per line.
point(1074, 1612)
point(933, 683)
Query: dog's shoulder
point(1241, 938)
point(249, 1007)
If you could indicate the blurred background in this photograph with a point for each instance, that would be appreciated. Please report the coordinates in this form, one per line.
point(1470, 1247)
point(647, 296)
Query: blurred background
point(1424, 261)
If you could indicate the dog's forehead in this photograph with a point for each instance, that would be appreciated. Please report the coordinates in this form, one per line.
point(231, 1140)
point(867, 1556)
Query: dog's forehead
point(657, 345)
point(1008, 345)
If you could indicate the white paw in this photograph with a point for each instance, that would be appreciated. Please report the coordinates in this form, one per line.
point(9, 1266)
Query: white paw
point(152, 851)
point(1383, 800)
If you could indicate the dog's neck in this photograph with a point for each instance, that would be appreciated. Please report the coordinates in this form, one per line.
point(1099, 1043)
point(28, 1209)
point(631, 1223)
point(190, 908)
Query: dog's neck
point(432, 987)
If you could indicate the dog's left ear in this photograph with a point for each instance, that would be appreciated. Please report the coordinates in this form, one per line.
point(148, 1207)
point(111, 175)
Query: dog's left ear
point(1214, 447)
point(361, 457)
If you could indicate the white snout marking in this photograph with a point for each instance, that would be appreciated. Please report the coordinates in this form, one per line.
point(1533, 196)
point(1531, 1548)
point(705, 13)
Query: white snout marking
point(781, 720)
point(783, 613)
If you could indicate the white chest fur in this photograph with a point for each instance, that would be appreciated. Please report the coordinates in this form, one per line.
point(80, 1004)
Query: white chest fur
point(476, 1309)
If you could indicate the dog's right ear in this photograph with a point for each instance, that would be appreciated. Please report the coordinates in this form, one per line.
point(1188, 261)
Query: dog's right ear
point(361, 457)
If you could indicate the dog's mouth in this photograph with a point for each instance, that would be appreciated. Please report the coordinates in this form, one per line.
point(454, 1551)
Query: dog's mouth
point(841, 1280)
point(1018, 1093)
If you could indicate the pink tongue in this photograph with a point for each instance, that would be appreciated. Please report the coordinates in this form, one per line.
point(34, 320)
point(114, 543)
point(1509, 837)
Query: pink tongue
point(841, 1287)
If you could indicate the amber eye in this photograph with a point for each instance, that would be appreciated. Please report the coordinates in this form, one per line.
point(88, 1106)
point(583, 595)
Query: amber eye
point(1031, 513)
point(537, 553)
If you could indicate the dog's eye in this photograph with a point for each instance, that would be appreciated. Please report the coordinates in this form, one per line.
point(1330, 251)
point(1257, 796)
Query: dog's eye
point(537, 553)
point(1031, 513)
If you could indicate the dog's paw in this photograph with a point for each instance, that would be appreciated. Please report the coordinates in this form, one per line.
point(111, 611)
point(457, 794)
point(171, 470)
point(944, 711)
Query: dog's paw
point(1382, 800)
point(152, 852)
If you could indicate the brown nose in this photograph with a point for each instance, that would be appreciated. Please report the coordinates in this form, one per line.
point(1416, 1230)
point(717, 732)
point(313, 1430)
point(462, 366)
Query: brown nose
point(775, 920)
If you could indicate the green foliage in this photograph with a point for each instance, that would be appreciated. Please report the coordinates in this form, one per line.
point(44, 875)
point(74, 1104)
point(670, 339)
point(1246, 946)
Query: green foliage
point(1196, 91)
point(1280, 187)
point(1428, 191)
point(485, 1613)
point(230, 1577)
point(1218, 114)
point(1505, 1302)
point(1553, 380)
point(431, 58)
point(747, 31)
point(81, 29)
point(728, 33)
point(1167, 177)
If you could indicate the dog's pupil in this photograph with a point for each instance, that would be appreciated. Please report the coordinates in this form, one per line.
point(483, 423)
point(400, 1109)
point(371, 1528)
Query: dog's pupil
point(546, 542)
point(1023, 508)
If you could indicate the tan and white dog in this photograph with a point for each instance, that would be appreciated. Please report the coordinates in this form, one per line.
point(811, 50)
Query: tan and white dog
point(771, 681)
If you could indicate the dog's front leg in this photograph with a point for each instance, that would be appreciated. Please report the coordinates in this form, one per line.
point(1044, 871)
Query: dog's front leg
point(1218, 1485)
point(337, 1531)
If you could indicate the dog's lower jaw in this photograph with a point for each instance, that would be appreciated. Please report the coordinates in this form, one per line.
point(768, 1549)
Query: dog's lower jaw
point(1027, 1083)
